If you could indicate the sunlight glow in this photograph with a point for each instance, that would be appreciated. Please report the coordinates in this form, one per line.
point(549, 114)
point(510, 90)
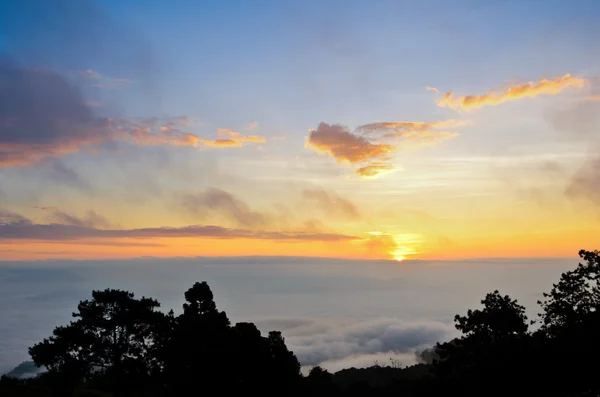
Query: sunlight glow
point(406, 246)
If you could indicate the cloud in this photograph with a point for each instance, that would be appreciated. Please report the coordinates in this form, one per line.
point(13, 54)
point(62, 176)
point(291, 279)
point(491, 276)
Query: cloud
point(152, 133)
point(428, 88)
point(408, 128)
point(585, 183)
point(331, 203)
point(580, 124)
point(593, 98)
point(252, 126)
point(16, 227)
point(45, 208)
point(345, 146)
point(374, 169)
point(90, 220)
point(216, 200)
point(338, 342)
point(495, 97)
point(9, 218)
point(372, 146)
point(42, 115)
point(58, 171)
point(99, 80)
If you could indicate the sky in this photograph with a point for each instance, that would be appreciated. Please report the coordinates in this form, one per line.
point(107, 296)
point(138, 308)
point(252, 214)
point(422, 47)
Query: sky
point(352, 173)
point(350, 129)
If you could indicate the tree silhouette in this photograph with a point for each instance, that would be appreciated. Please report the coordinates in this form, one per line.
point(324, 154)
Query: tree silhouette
point(484, 353)
point(575, 297)
point(319, 382)
point(113, 337)
point(570, 328)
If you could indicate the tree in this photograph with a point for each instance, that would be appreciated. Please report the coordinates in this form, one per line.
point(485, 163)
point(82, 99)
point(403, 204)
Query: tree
point(500, 318)
point(485, 353)
point(115, 337)
point(574, 298)
point(570, 325)
point(286, 367)
point(319, 382)
point(199, 348)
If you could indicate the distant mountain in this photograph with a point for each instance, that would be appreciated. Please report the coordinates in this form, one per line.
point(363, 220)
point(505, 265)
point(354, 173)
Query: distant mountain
point(26, 369)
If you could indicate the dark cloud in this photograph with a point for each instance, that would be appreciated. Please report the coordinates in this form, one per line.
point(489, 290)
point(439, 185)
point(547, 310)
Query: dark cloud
point(14, 226)
point(216, 200)
point(42, 115)
point(331, 203)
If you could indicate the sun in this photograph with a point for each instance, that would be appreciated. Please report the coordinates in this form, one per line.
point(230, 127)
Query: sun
point(405, 246)
point(400, 254)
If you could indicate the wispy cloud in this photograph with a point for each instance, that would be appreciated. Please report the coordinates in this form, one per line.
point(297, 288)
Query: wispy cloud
point(375, 169)
point(90, 220)
point(213, 200)
point(593, 98)
point(372, 146)
point(152, 133)
point(496, 97)
point(331, 203)
point(17, 227)
point(99, 80)
point(44, 208)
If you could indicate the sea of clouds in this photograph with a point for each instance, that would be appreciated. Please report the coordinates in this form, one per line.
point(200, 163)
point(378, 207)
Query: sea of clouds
point(335, 313)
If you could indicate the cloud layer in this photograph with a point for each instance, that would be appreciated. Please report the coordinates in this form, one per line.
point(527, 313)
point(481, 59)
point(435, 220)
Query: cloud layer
point(17, 227)
point(495, 97)
point(341, 343)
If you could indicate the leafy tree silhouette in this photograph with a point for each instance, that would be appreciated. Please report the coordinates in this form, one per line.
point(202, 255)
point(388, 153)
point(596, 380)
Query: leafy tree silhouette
point(113, 337)
point(198, 349)
point(570, 327)
point(485, 353)
point(319, 382)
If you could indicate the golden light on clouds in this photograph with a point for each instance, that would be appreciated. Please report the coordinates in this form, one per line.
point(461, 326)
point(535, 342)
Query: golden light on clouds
point(495, 97)
point(372, 146)
point(406, 245)
point(374, 170)
point(345, 146)
point(394, 246)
